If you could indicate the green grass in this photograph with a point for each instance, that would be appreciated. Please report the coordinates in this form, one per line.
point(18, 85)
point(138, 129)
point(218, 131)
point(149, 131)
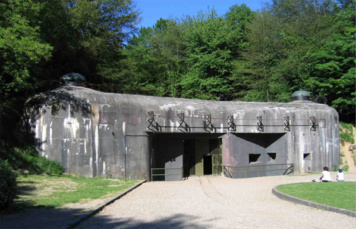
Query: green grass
point(336, 194)
point(50, 191)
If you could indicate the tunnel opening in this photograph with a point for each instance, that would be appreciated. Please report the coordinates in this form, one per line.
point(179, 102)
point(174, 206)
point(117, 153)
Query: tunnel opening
point(208, 165)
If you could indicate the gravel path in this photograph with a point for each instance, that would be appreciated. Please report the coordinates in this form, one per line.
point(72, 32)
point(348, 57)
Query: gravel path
point(215, 202)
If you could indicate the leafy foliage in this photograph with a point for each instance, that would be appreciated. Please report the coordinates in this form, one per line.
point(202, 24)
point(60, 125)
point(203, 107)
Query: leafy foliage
point(208, 56)
point(87, 36)
point(191, 57)
point(27, 159)
point(333, 72)
point(20, 44)
point(347, 133)
point(155, 60)
point(8, 187)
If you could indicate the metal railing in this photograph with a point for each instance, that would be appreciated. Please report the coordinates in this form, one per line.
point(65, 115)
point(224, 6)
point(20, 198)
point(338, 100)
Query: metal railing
point(259, 170)
point(164, 174)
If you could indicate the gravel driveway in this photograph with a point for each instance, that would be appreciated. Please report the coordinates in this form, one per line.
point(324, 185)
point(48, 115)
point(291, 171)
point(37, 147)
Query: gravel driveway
point(215, 202)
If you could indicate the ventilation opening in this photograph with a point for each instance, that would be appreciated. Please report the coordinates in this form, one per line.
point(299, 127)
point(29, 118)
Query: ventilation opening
point(306, 156)
point(253, 158)
point(272, 156)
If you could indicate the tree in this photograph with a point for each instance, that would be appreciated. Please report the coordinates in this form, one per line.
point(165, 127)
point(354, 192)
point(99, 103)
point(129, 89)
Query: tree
point(208, 57)
point(156, 58)
point(87, 36)
point(191, 57)
point(238, 18)
point(278, 61)
point(21, 47)
point(333, 65)
point(256, 71)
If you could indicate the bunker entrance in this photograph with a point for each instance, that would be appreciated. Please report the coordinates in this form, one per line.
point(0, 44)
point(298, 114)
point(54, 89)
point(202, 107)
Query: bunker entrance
point(178, 156)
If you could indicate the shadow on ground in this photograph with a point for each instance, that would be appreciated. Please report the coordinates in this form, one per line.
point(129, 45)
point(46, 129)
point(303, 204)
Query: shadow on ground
point(26, 215)
point(43, 218)
point(176, 222)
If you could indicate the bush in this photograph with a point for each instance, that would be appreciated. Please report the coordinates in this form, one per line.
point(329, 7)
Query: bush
point(346, 168)
point(48, 167)
point(346, 133)
point(27, 158)
point(8, 187)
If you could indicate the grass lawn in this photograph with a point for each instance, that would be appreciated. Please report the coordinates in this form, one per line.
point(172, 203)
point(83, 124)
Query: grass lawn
point(336, 194)
point(52, 191)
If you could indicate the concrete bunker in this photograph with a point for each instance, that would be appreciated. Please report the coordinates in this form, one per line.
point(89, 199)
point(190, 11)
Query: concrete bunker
point(155, 138)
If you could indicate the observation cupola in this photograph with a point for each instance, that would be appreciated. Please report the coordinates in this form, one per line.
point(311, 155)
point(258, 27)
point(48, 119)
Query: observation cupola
point(73, 79)
point(301, 96)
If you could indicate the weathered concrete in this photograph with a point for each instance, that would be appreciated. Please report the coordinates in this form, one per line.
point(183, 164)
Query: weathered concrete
point(105, 134)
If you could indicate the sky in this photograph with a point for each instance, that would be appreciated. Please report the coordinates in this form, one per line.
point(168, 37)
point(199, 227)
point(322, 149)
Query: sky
point(153, 10)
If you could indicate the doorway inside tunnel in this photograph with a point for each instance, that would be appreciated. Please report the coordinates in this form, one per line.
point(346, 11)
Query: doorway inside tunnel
point(182, 155)
point(208, 165)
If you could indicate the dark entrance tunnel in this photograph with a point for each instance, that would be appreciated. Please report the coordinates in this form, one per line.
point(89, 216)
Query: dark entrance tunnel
point(189, 158)
point(183, 155)
point(208, 165)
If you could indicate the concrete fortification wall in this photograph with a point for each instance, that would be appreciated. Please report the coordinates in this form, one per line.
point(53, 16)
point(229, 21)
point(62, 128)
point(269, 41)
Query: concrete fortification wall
point(105, 134)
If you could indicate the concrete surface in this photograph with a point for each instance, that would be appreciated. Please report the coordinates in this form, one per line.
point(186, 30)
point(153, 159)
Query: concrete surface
point(216, 202)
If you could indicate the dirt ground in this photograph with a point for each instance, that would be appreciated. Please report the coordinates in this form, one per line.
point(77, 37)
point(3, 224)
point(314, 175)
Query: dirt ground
point(216, 202)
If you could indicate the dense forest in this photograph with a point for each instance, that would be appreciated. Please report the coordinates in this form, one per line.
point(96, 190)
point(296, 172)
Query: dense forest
point(241, 55)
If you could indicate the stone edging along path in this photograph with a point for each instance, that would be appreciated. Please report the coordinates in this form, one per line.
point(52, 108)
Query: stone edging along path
point(296, 200)
point(88, 214)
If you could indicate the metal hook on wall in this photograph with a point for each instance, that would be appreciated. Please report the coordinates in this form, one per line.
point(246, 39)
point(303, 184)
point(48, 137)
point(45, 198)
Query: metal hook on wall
point(153, 125)
point(208, 126)
point(259, 124)
point(183, 126)
point(231, 124)
point(287, 123)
